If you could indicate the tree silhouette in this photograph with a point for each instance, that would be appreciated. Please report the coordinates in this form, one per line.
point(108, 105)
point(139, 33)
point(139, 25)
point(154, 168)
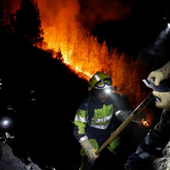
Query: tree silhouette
point(27, 24)
point(1, 14)
point(1, 19)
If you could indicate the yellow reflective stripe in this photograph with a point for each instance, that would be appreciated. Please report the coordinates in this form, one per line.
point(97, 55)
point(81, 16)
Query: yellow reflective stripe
point(100, 126)
point(103, 120)
point(102, 117)
point(80, 119)
point(97, 77)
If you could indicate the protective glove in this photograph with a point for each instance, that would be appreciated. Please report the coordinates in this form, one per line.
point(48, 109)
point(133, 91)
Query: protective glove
point(165, 99)
point(160, 74)
point(90, 151)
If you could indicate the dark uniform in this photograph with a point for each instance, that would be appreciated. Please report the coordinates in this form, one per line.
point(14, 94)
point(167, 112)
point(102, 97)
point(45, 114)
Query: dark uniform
point(151, 146)
point(94, 120)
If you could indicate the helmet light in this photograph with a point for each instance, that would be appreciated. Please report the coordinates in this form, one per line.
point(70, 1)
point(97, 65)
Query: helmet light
point(108, 90)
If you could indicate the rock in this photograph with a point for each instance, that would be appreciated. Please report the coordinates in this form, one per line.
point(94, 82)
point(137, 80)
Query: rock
point(8, 161)
point(163, 163)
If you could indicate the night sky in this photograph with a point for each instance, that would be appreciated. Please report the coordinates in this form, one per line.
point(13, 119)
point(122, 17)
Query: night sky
point(43, 127)
point(131, 25)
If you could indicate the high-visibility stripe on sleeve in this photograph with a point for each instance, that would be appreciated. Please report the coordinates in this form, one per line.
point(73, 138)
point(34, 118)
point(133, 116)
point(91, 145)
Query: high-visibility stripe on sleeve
point(81, 119)
point(142, 154)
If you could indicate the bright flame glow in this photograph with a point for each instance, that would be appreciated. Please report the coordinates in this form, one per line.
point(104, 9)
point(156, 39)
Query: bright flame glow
point(145, 123)
point(81, 51)
point(85, 56)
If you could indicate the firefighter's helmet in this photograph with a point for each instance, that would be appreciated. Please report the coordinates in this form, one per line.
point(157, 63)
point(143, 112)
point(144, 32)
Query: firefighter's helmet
point(100, 80)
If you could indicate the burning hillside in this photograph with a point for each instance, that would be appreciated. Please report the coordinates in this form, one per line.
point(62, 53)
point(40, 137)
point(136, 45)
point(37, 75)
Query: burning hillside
point(64, 31)
point(64, 28)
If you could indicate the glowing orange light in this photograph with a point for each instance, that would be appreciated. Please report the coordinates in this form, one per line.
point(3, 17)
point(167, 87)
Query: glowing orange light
point(145, 123)
point(64, 33)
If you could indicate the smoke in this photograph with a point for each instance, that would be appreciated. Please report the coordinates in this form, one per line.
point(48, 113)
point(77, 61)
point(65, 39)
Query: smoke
point(87, 12)
point(159, 42)
point(100, 11)
point(157, 54)
point(58, 11)
point(10, 5)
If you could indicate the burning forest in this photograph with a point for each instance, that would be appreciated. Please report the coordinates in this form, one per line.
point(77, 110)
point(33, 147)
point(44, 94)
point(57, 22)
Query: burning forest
point(66, 29)
point(81, 51)
point(51, 53)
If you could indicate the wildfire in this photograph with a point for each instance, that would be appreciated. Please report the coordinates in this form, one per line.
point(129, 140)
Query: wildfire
point(145, 123)
point(148, 121)
point(81, 51)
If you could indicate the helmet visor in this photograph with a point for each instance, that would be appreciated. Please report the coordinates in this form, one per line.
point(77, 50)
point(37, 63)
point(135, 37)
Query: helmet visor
point(103, 83)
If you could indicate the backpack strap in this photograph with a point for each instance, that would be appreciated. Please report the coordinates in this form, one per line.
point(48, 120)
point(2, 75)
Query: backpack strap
point(89, 116)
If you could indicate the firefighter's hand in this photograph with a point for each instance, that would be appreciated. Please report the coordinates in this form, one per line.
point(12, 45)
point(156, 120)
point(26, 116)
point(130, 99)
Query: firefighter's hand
point(90, 151)
point(157, 75)
point(165, 99)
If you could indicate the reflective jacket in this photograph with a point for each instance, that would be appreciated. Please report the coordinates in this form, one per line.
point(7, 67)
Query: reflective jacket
point(151, 146)
point(93, 118)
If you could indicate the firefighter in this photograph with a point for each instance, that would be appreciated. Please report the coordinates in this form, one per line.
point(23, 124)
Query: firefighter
point(158, 137)
point(93, 125)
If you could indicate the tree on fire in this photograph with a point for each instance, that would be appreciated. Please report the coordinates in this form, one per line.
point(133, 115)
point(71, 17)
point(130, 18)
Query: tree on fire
point(27, 24)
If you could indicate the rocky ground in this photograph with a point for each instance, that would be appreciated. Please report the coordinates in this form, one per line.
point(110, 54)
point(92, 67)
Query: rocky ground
point(8, 161)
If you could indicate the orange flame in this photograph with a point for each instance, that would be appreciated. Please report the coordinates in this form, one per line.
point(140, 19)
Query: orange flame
point(82, 52)
point(145, 123)
point(148, 121)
